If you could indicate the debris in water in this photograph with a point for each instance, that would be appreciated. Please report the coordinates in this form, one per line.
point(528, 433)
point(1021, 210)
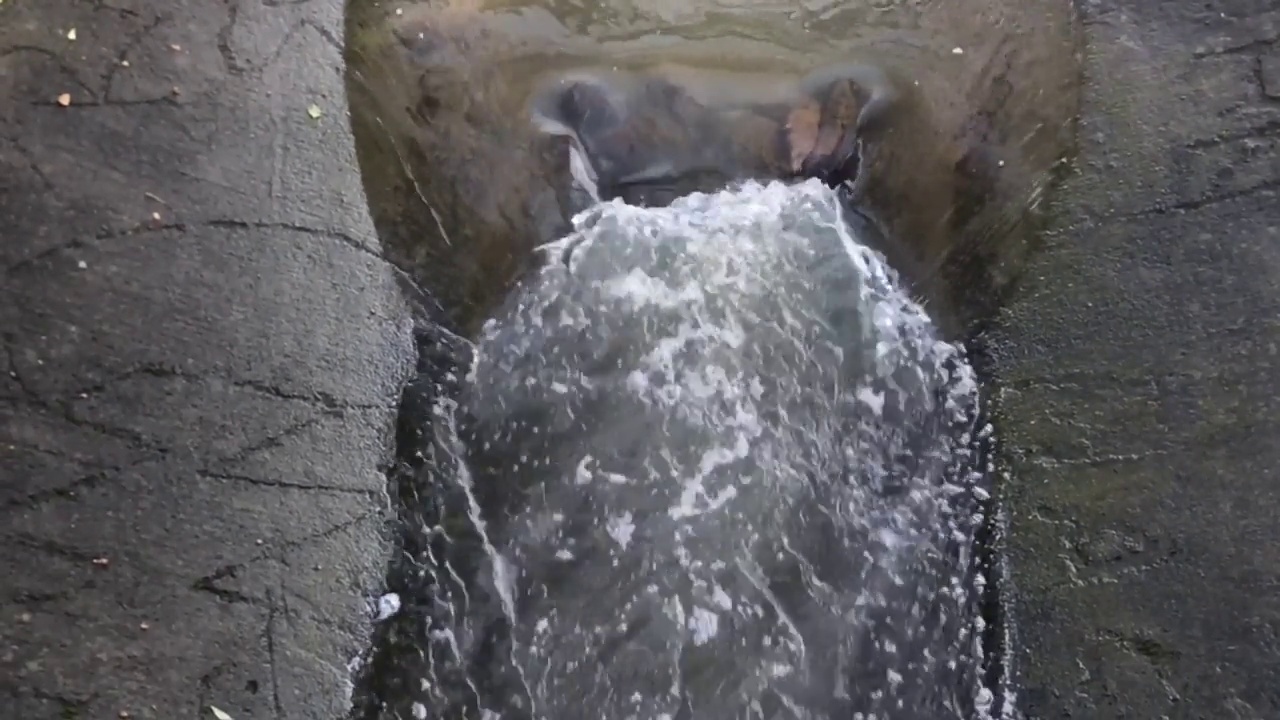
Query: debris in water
point(802, 130)
point(155, 216)
point(64, 99)
point(388, 605)
point(175, 47)
point(24, 618)
point(219, 713)
point(314, 111)
point(124, 63)
point(82, 265)
point(957, 51)
point(101, 561)
point(71, 34)
point(144, 627)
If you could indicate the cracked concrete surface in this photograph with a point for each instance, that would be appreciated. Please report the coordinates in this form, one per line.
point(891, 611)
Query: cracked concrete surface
point(201, 352)
point(1137, 369)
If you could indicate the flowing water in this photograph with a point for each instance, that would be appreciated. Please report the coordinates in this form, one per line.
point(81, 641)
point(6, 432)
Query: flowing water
point(744, 452)
point(705, 461)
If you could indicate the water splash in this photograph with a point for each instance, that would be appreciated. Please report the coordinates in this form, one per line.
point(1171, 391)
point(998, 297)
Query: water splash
point(714, 464)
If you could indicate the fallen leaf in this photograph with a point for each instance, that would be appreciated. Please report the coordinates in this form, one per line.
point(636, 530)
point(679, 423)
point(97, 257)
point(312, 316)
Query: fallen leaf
point(71, 34)
point(314, 111)
point(219, 713)
point(802, 133)
point(64, 99)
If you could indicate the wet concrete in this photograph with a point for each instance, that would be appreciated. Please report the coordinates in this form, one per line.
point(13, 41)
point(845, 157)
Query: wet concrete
point(1137, 370)
point(226, 374)
point(202, 351)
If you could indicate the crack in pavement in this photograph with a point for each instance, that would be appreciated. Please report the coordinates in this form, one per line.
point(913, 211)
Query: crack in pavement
point(27, 598)
point(286, 484)
point(80, 243)
point(56, 58)
point(132, 43)
point(146, 228)
point(272, 664)
point(329, 234)
point(1238, 48)
point(331, 408)
point(51, 547)
point(29, 158)
point(320, 398)
point(1204, 201)
point(208, 583)
point(236, 67)
point(1270, 128)
point(104, 5)
point(404, 278)
point(70, 706)
point(91, 104)
point(223, 40)
point(65, 412)
point(68, 491)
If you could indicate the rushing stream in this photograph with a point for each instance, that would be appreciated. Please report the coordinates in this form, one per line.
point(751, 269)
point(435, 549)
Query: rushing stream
point(709, 462)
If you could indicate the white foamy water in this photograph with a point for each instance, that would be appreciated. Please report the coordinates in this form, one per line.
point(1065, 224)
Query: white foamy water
point(718, 464)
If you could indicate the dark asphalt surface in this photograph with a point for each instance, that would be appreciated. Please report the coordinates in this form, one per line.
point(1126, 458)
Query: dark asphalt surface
point(202, 402)
point(202, 355)
point(1139, 366)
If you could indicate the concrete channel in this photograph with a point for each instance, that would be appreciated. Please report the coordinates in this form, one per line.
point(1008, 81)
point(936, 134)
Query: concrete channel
point(204, 353)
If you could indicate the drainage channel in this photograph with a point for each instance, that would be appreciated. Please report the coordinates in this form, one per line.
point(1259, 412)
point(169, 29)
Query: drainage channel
point(711, 459)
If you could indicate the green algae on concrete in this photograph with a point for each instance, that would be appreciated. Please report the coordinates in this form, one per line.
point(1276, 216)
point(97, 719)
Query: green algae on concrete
point(1137, 370)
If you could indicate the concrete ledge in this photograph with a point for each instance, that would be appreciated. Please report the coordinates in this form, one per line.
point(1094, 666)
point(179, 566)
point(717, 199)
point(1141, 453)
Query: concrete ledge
point(1138, 373)
point(203, 351)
